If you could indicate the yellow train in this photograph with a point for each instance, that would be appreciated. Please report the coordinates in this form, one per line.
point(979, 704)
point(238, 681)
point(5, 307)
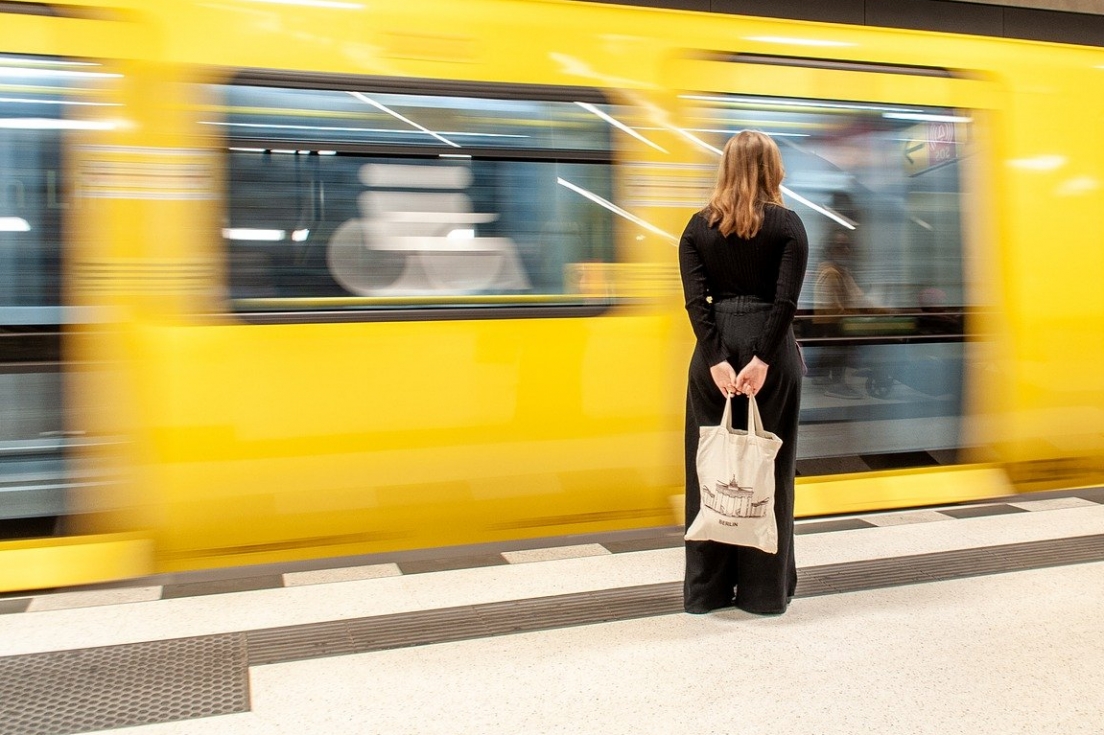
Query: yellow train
point(288, 280)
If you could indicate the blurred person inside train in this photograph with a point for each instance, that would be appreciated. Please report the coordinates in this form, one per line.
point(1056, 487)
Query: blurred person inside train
point(835, 296)
point(742, 260)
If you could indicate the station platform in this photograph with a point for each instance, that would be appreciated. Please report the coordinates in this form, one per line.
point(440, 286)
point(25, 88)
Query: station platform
point(980, 618)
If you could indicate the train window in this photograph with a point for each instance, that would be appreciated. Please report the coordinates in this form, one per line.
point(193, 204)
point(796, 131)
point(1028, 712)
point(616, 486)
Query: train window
point(35, 96)
point(359, 202)
point(41, 99)
point(881, 317)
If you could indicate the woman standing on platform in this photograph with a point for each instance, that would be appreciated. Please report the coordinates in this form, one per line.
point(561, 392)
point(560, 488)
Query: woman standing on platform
point(743, 260)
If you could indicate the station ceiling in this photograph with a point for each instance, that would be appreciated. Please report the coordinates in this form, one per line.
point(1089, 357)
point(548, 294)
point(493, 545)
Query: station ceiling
point(1063, 21)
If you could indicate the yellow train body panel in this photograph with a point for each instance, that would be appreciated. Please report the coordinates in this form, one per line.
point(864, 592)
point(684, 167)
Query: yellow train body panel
point(227, 442)
point(74, 560)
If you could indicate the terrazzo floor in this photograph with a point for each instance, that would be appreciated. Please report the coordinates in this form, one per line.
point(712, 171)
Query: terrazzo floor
point(1019, 652)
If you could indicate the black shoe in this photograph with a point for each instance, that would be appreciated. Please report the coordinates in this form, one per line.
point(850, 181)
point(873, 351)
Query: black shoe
point(763, 612)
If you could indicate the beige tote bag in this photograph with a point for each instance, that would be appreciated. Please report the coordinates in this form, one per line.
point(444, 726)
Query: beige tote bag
point(736, 478)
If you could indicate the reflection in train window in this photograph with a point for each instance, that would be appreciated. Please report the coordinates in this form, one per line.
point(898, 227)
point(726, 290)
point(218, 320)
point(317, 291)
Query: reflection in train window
point(881, 317)
point(342, 200)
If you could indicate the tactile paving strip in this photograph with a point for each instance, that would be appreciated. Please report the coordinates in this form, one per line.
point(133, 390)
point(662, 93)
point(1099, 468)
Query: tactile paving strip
point(361, 635)
point(118, 686)
point(942, 566)
point(382, 632)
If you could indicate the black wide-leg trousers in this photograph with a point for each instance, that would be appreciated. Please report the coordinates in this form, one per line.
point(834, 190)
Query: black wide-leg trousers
point(719, 575)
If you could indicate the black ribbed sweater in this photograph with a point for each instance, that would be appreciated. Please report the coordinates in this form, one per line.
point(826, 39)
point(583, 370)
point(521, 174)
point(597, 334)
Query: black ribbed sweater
point(769, 266)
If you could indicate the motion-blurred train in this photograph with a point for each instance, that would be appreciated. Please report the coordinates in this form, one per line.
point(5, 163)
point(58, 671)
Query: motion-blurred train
point(284, 280)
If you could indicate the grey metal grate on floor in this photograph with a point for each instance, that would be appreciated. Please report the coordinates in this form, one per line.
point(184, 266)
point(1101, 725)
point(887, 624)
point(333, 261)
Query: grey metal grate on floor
point(120, 686)
point(361, 635)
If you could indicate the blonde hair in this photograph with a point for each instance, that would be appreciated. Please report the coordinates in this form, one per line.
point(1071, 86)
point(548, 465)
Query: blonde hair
point(749, 176)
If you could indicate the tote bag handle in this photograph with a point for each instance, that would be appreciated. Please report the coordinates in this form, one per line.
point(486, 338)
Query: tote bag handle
point(754, 420)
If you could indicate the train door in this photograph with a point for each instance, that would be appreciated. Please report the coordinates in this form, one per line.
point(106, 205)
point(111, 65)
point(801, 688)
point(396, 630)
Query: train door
point(32, 203)
point(54, 88)
point(886, 167)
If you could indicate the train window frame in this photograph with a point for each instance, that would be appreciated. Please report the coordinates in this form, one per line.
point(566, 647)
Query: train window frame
point(353, 308)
